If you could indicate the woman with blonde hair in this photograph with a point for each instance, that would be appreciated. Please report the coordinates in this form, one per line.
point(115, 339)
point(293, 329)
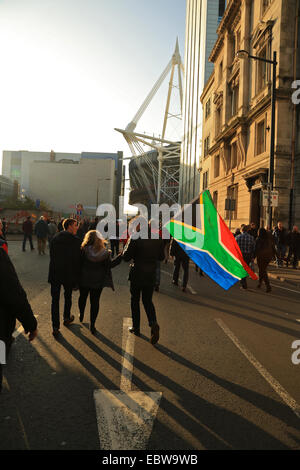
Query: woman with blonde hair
point(95, 273)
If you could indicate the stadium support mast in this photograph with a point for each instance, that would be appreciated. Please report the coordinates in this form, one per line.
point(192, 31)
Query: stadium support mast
point(166, 174)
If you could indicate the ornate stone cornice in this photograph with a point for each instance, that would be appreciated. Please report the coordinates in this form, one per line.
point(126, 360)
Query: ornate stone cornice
point(261, 34)
point(218, 99)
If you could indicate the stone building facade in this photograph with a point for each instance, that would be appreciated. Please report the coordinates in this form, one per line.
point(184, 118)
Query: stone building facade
point(236, 105)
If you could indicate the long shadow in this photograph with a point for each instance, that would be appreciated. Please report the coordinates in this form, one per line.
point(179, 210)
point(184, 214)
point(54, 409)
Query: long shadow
point(50, 404)
point(261, 311)
point(209, 423)
point(193, 424)
point(218, 292)
point(204, 303)
point(88, 399)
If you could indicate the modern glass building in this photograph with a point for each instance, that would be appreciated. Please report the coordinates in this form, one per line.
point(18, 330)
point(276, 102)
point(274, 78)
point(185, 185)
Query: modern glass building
point(202, 20)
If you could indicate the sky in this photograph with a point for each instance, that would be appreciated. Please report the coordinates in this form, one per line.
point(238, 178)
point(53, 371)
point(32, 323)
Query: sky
point(73, 70)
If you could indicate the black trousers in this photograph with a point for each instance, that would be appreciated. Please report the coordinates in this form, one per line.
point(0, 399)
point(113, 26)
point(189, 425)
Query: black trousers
point(248, 259)
point(136, 291)
point(29, 237)
point(185, 265)
point(262, 264)
point(114, 245)
point(55, 293)
point(295, 254)
point(94, 301)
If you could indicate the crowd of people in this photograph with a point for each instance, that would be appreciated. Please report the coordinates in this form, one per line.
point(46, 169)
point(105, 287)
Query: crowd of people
point(266, 245)
point(80, 260)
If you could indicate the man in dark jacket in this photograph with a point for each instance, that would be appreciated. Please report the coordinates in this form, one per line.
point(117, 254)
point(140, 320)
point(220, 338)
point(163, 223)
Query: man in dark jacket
point(181, 259)
point(246, 243)
point(64, 270)
point(253, 230)
point(41, 231)
point(293, 241)
point(27, 230)
point(145, 254)
point(13, 305)
point(280, 239)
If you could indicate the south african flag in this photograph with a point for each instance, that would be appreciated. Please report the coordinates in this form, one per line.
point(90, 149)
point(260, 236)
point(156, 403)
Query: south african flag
point(204, 236)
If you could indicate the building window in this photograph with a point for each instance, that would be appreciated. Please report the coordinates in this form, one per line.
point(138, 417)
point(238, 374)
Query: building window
point(207, 108)
point(234, 100)
point(262, 70)
point(220, 72)
point(218, 120)
point(215, 199)
point(231, 203)
point(217, 166)
point(222, 6)
point(205, 180)
point(260, 138)
point(233, 46)
point(206, 146)
point(233, 155)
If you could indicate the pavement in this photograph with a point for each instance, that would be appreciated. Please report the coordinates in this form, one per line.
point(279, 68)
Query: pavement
point(287, 275)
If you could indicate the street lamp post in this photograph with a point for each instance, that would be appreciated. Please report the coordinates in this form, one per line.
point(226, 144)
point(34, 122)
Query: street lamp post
point(242, 54)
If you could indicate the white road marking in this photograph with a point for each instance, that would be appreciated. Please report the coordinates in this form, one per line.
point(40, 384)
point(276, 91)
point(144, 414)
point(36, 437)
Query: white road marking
point(285, 396)
point(285, 288)
point(125, 418)
point(128, 352)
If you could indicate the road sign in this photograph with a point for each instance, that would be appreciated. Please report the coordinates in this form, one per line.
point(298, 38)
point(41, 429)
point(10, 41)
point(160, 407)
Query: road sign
point(273, 195)
point(79, 208)
point(274, 198)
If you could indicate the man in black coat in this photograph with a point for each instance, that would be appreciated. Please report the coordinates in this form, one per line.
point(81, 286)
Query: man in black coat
point(27, 228)
point(41, 230)
point(145, 254)
point(64, 270)
point(181, 259)
point(13, 305)
point(293, 241)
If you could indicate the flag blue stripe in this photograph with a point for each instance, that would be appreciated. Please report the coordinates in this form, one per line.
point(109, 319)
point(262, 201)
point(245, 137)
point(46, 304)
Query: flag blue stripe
point(210, 267)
